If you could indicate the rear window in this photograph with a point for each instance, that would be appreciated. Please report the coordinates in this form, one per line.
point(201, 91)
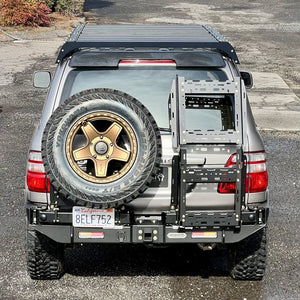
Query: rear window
point(151, 85)
point(209, 112)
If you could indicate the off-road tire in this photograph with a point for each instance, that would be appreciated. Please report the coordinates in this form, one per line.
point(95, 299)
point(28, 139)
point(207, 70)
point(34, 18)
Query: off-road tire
point(44, 257)
point(247, 258)
point(101, 195)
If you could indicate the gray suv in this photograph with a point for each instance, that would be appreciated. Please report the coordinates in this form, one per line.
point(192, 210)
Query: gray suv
point(147, 137)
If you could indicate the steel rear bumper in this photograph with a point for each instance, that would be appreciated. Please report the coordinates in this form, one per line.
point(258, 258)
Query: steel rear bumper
point(59, 228)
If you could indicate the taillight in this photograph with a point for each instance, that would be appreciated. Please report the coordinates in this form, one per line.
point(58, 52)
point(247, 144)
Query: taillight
point(36, 176)
point(146, 62)
point(256, 177)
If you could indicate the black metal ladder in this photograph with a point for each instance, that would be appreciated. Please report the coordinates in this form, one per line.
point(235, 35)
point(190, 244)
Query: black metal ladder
point(184, 174)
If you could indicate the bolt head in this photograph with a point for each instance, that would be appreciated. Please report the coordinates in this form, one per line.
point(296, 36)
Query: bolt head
point(43, 217)
point(251, 217)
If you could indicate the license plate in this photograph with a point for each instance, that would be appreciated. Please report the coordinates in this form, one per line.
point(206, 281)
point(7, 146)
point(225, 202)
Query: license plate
point(93, 217)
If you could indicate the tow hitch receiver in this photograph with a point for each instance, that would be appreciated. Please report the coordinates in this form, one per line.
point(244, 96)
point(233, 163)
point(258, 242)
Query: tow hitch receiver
point(147, 234)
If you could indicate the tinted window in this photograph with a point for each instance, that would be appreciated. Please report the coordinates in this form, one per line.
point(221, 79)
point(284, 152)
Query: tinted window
point(150, 85)
point(209, 112)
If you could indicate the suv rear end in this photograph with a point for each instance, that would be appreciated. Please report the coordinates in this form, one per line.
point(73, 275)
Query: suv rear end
point(204, 179)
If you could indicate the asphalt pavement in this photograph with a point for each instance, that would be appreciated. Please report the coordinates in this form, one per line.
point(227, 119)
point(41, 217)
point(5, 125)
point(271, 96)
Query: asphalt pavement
point(136, 272)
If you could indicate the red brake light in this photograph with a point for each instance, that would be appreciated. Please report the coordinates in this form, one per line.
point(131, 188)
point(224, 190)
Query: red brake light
point(36, 182)
point(258, 182)
point(256, 177)
point(36, 176)
point(227, 188)
point(144, 62)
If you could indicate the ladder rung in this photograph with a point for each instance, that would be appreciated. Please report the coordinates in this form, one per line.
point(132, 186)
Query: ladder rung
point(208, 175)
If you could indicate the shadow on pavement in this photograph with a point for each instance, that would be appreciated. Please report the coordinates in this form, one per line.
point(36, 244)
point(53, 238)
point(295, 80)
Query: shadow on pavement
point(96, 5)
point(135, 260)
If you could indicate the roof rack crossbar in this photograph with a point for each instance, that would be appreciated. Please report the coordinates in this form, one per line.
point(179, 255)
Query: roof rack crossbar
point(111, 36)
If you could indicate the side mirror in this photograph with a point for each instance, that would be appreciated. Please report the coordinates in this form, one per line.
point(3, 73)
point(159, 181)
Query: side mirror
point(248, 79)
point(41, 79)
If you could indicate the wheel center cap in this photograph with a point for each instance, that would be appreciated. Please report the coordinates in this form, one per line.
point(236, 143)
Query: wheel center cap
point(101, 148)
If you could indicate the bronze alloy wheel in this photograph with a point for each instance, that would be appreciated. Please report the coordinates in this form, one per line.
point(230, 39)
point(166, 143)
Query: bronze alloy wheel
point(104, 148)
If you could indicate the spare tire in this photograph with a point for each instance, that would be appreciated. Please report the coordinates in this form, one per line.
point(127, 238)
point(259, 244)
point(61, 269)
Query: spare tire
point(101, 148)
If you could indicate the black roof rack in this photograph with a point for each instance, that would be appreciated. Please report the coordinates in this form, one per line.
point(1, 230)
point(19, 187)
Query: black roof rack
point(147, 36)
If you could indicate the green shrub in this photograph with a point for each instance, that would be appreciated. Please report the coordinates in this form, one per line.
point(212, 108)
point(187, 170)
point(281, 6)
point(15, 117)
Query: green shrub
point(69, 7)
point(24, 12)
point(51, 4)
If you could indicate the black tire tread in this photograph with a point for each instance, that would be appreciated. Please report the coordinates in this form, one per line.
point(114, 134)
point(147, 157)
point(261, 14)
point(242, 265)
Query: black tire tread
point(44, 257)
point(247, 259)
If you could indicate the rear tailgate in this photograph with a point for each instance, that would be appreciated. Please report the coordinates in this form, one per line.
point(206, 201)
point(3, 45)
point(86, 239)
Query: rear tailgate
point(200, 196)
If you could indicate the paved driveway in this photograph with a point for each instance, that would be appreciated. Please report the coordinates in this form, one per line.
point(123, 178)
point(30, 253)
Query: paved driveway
point(267, 40)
